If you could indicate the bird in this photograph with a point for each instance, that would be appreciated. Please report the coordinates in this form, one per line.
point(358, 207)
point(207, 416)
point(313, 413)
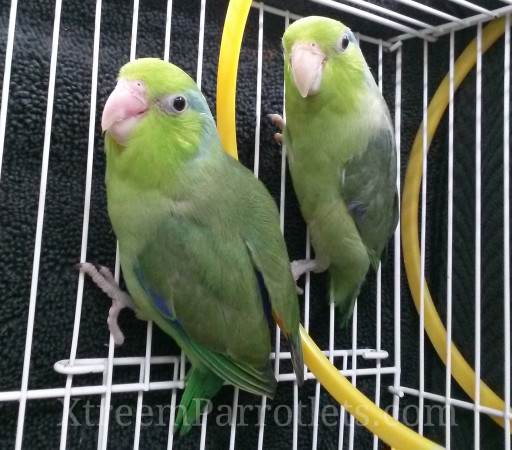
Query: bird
point(200, 246)
point(341, 155)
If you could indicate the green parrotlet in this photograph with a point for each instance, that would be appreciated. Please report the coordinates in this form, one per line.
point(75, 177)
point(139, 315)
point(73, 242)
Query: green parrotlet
point(200, 246)
point(341, 154)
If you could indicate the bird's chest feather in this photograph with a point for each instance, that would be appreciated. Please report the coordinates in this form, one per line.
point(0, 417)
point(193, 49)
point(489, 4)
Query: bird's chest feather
point(318, 152)
point(135, 213)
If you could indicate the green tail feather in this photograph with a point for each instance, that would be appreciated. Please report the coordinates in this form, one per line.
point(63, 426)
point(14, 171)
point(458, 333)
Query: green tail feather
point(343, 292)
point(250, 379)
point(258, 381)
point(345, 310)
point(201, 386)
point(297, 358)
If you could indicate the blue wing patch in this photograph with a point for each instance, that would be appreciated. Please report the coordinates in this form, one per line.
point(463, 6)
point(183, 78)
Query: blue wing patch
point(357, 209)
point(265, 299)
point(158, 301)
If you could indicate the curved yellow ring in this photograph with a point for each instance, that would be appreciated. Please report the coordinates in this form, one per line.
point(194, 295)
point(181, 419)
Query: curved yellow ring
point(461, 370)
point(234, 25)
point(363, 409)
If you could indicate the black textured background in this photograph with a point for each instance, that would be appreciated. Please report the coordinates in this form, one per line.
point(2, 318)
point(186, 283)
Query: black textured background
point(56, 296)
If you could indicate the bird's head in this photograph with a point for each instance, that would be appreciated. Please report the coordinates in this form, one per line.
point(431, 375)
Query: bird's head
point(155, 100)
point(320, 53)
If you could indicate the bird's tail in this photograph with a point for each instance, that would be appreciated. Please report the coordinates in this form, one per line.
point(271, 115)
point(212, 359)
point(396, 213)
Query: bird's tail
point(297, 357)
point(201, 386)
point(343, 292)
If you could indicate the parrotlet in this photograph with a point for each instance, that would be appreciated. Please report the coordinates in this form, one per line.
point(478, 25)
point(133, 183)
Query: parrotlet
point(341, 154)
point(200, 246)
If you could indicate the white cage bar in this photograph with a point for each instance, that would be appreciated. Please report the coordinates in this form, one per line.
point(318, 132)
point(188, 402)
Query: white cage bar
point(428, 26)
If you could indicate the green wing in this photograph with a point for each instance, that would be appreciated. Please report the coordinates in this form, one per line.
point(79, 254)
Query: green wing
point(368, 187)
point(201, 279)
point(270, 258)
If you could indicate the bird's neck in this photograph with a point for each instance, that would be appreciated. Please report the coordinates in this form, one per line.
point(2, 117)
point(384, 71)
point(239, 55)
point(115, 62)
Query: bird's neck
point(145, 187)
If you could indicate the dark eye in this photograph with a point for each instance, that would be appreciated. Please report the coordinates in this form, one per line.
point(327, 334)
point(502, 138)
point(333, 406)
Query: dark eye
point(173, 104)
point(344, 42)
point(179, 103)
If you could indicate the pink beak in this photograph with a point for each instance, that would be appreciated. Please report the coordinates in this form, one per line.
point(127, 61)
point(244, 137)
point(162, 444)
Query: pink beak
point(307, 66)
point(125, 106)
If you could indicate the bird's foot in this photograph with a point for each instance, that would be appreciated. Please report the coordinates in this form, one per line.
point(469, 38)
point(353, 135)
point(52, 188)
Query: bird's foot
point(301, 266)
point(103, 278)
point(279, 122)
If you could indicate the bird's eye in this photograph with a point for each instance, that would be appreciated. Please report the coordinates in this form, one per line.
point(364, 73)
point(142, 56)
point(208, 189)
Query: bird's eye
point(173, 104)
point(179, 103)
point(345, 41)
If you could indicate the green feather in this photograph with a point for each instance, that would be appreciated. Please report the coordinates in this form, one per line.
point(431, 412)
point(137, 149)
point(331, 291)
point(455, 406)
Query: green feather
point(201, 386)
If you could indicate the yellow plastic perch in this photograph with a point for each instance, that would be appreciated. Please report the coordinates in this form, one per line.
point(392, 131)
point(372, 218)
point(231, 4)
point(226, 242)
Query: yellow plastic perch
point(356, 403)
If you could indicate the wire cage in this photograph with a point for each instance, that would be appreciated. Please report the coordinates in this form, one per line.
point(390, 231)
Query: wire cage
point(63, 384)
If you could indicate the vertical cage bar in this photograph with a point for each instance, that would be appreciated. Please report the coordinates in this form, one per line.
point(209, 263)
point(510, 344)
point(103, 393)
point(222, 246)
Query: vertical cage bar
point(281, 211)
point(295, 416)
point(283, 154)
point(307, 287)
point(258, 93)
point(138, 411)
point(234, 416)
point(354, 376)
point(183, 362)
point(396, 301)
point(261, 417)
point(354, 349)
point(316, 409)
point(331, 331)
point(506, 228)
point(378, 345)
point(201, 43)
point(172, 413)
point(85, 222)
point(147, 356)
point(449, 258)
point(107, 378)
point(423, 238)
point(332, 315)
point(168, 22)
point(145, 378)
point(39, 227)
point(204, 424)
point(307, 294)
point(7, 77)
point(146, 368)
point(341, 431)
point(378, 321)
point(478, 237)
point(261, 422)
point(199, 77)
point(135, 21)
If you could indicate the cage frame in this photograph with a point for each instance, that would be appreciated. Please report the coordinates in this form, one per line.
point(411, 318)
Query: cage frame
point(408, 30)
